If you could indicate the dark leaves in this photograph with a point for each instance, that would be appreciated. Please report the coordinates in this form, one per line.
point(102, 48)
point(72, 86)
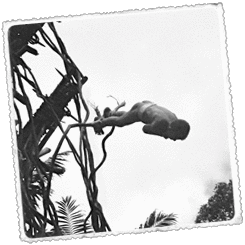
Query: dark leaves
point(159, 220)
point(58, 167)
point(220, 206)
point(71, 220)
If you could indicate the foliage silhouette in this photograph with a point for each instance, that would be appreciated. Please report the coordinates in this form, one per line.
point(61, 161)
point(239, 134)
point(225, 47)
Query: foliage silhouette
point(71, 220)
point(34, 174)
point(220, 206)
point(159, 220)
point(36, 192)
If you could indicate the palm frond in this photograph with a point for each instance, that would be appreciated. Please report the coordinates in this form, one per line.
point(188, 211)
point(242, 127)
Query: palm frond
point(159, 220)
point(71, 220)
point(58, 167)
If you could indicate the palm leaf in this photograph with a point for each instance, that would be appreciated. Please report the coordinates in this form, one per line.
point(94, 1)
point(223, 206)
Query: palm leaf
point(71, 220)
point(58, 167)
point(159, 220)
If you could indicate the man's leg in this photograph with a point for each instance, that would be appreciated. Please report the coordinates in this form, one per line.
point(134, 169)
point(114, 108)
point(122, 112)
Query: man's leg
point(120, 119)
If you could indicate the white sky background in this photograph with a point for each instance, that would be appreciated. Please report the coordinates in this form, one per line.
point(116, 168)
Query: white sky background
point(171, 57)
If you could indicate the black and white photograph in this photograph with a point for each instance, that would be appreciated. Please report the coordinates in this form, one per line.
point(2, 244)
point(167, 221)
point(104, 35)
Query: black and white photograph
point(122, 122)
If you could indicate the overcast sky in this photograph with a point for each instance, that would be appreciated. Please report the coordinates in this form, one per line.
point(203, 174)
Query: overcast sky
point(172, 57)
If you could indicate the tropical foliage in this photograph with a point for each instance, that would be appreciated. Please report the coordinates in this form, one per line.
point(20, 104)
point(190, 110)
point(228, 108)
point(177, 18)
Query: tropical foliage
point(34, 129)
point(159, 219)
point(71, 220)
point(220, 206)
point(35, 187)
point(58, 165)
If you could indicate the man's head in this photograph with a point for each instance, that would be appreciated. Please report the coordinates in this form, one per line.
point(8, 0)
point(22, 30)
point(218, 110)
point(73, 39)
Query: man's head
point(178, 130)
